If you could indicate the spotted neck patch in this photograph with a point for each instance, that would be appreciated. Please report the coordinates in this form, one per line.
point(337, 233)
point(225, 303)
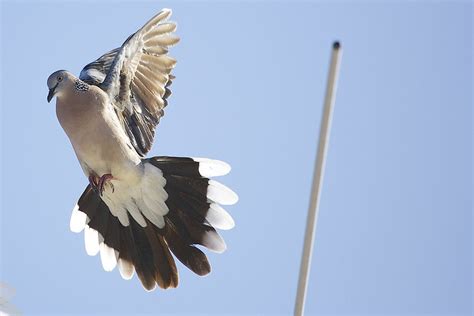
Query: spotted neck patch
point(81, 85)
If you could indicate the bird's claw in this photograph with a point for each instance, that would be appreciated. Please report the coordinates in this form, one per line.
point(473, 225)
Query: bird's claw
point(98, 183)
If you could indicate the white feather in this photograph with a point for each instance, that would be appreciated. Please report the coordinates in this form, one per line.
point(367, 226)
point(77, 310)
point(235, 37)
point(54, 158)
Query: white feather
point(152, 190)
point(129, 205)
point(150, 213)
point(155, 175)
point(91, 240)
point(155, 202)
point(153, 196)
point(219, 218)
point(101, 238)
point(126, 269)
point(123, 219)
point(212, 168)
point(221, 194)
point(214, 242)
point(108, 257)
point(115, 204)
point(140, 199)
point(78, 220)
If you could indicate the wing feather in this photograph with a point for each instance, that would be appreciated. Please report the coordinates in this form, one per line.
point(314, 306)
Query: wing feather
point(137, 77)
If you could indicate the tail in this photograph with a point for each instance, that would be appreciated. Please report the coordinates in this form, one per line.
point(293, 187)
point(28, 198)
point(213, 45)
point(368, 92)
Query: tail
point(174, 208)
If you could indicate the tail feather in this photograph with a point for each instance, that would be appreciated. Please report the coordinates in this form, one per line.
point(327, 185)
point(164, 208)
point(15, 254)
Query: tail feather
point(89, 203)
point(182, 214)
point(142, 255)
point(166, 274)
point(207, 211)
point(193, 186)
point(191, 167)
point(125, 262)
point(199, 230)
point(187, 254)
point(108, 257)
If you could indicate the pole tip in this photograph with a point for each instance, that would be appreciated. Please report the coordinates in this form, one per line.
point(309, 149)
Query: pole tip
point(336, 45)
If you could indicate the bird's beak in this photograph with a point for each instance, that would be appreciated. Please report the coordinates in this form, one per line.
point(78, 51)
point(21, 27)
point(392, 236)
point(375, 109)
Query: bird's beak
point(51, 93)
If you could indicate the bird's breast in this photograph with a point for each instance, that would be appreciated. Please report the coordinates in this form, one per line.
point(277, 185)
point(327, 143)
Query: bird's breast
point(97, 139)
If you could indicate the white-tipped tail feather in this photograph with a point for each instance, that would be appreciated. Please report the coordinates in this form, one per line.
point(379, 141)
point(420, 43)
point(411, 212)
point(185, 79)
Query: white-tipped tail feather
point(214, 242)
point(212, 168)
point(78, 220)
point(91, 240)
point(221, 194)
point(126, 269)
point(108, 257)
point(219, 218)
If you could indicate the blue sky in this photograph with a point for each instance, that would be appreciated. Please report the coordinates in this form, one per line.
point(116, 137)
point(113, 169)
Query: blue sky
point(395, 225)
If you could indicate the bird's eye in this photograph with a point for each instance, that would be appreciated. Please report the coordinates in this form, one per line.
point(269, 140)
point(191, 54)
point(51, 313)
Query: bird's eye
point(60, 78)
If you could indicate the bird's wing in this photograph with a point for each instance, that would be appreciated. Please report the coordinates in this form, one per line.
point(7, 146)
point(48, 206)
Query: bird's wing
point(137, 77)
point(95, 72)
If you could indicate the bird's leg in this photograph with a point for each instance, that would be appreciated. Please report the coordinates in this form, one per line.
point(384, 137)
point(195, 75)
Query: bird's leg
point(94, 182)
point(103, 181)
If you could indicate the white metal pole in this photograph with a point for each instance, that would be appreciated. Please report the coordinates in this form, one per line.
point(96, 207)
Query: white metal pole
point(317, 179)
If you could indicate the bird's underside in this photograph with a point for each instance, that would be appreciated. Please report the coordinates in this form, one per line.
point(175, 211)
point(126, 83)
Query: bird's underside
point(138, 212)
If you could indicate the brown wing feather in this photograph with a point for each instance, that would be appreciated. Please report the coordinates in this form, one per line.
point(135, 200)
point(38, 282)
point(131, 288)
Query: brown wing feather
point(137, 77)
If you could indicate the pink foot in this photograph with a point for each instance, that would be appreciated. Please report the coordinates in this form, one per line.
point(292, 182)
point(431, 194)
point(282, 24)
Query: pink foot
point(103, 181)
point(94, 181)
point(98, 183)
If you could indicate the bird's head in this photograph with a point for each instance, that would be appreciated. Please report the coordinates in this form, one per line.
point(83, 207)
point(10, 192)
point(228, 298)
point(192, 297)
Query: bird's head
point(58, 81)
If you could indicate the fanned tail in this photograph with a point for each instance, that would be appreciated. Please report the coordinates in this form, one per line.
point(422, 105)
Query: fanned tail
point(145, 245)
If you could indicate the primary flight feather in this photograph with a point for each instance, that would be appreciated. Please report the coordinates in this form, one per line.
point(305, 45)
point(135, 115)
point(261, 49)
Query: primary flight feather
point(137, 211)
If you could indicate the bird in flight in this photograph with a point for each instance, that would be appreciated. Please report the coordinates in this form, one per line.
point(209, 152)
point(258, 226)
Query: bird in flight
point(138, 211)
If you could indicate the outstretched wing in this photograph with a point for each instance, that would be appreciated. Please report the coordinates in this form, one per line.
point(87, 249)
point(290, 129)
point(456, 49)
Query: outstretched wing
point(95, 72)
point(137, 77)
